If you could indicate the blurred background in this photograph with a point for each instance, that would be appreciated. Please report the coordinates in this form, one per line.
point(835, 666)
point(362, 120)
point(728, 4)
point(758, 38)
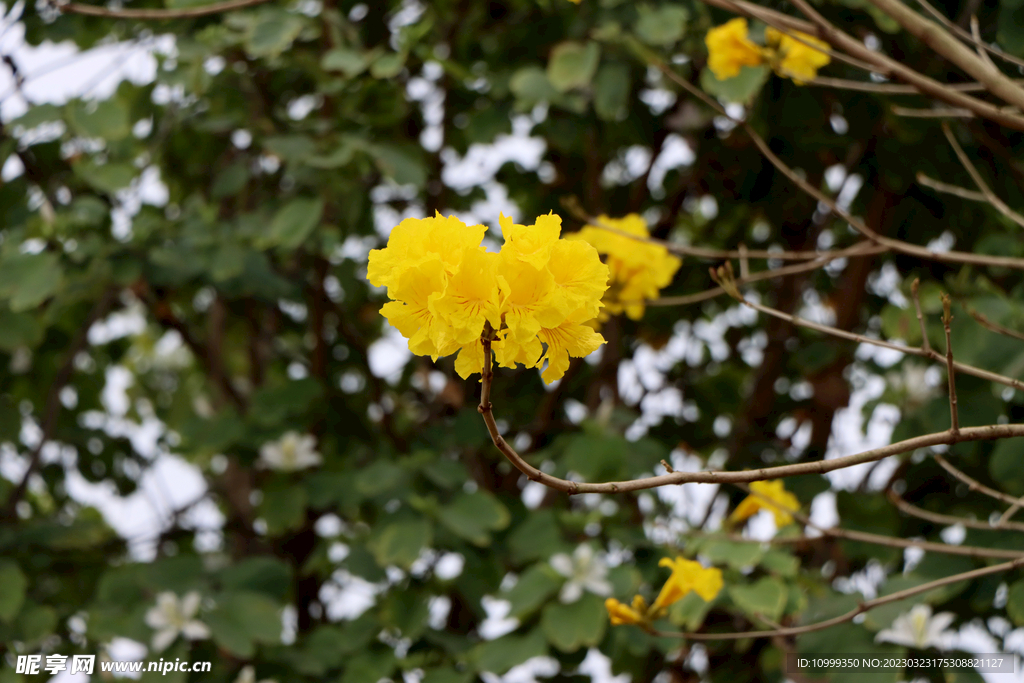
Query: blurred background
point(199, 397)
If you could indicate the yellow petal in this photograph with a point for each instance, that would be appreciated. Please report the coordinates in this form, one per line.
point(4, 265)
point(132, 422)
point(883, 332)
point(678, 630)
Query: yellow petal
point(414, 239)
point(530, 243)
point(796, 59)
point(729, 49)
point(622, 614)
point(571, 338)
point(687, 576)
point(471, 297)
point(580, 279)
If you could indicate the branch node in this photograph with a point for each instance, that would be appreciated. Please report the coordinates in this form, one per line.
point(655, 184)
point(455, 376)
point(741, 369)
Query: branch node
point(668, 468)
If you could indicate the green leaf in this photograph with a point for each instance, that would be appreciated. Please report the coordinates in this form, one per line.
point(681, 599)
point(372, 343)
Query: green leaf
point(13, 584)
point(736, 555)
point(273, 33)
point(663, 25)
point(1015, 602)
point(1005, 465)
point(445, 675)
point(473, 515)
point(106, 177)
point(537, 536)
point(611, 92)
point(265, 575)
point(242, 618)
point(295, 222)
point(1011, 26)
point(228, 262)
point(107, 120)
point(498, 656)
point(29, 279)
point(400, 542)
point(780, 562)
point(531, 86)
point(283, 508)
point(689, 612)
point(403, 164)
point(579, 624)
point(766, 597)
point(18, 329)
point(741, 88)
point(371, 665)
point(291, 148)
point(573, 65)
point(534, 588)
point(349, 62)
point(388, 65)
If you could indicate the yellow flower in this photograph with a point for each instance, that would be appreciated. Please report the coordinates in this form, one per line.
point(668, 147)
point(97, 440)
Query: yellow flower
point(792, 58)
point(775, 498)
point(446, 288)
point(415, 239)
point(638, 269)
point(624, 614)
point(571, 338)
point(471, 298)
point(687, 576)
point(530, 243)
point(729, 49)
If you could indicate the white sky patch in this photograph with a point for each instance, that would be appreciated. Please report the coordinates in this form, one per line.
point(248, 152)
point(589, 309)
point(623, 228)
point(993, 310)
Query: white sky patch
point(388, 355)
point(497, 623)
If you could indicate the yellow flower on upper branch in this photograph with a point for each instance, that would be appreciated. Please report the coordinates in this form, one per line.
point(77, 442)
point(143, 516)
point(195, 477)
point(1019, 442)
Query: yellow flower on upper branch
point(639, 269)
point(729, 49)
point(773, 497)
point(795, 59)
point(687, 576)
point(446, 289)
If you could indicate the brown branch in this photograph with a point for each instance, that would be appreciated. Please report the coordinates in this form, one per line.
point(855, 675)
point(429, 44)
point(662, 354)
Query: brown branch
point(888, 88)
point(939, 518)
point(974, 484)
point(961, 192)
point(156, 14)
point(947, 318)
point(999, 329)
point(860, 609)
point(974, 39)
point(938, 113)
point(991, 196)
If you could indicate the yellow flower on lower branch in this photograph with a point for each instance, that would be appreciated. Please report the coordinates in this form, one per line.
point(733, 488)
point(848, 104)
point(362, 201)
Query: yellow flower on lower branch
point(687, 576)
point(772, 496)
point(796, 59)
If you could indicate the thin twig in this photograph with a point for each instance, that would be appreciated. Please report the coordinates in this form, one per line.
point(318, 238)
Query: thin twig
point(889, 88)
point(944, 113)
point(865, 248)
point(991, 196)
point(852, 614)
point(947, 318)
point(185, 13)
point(985, 322)
point(729, 283)
point(892, 541)
point(916, 295)
point(950, 520)
point(980, 46)
point(962, 192)
point(856, 223)
point(973, 39)
point(974, 484)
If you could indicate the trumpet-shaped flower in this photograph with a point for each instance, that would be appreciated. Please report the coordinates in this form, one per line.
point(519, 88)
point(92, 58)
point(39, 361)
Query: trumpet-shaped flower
point(919, 629)
point(471, 297)
point(620, 614)
point(530, 243)
point(638, 269)
point(796, 59)
point(414, 239)
point(772, 496)
point(729, 49)
point(571, 338)
point(687, 576)
point(446, 290)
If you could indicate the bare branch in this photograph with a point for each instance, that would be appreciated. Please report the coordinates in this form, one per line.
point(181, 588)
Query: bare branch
point(938, 113)
point(947, 318)
point(985, 322)
point(156, 14)
point(961, 192)
point(974, 484)
point(950, 520)
point(991, 196)
point(974, 39)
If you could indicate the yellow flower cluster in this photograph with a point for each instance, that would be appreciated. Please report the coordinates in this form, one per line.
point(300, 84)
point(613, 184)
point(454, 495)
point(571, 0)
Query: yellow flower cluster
point(536, 293)
point(638, 269)
point(687, 576)
point(730, 49)
point(773, 496)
